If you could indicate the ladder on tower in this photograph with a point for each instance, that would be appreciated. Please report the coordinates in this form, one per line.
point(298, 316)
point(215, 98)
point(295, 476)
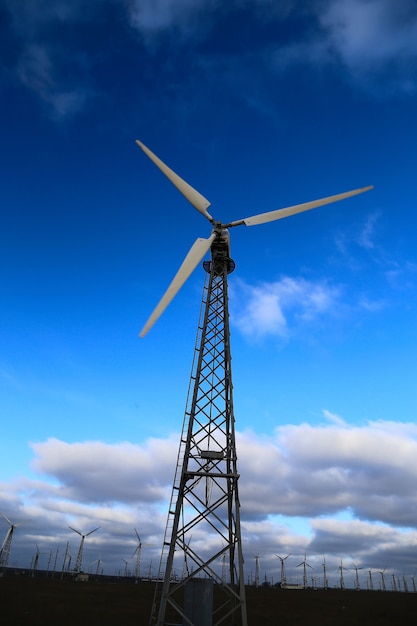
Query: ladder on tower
point(179, 466)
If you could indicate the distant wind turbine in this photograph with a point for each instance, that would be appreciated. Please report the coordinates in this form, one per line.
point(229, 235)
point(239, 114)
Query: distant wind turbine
point(7, 542)
point(126, 567)
point(305, 565)
point(256, 557)
point(325, 579)
point(341, 569)
point(357, 583)
point(283, 574)
point(99, 562)
point(35, 560)
point(371, 582)
point(78, 562)
point(138, 554)
point(383, 586)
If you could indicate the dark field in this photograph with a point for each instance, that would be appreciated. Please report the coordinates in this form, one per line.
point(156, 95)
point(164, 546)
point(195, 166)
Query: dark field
point(29, 601)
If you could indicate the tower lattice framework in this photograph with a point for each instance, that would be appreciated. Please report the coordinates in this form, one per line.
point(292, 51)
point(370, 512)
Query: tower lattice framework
point(203, 525)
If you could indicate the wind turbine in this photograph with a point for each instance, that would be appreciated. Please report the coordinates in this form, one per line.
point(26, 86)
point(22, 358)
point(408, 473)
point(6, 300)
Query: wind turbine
point(341, 569)
point(283, 575)
point(325, 579)
point(64, 560)
point(7, 542)
point(257, 557)
point(357, 583)
point(371, 581)
point(383, 586)
point(99, 562)
point(78, 562)
point(35, 561)
point(126, 571)
point(207, 450)
point(137, 552)
point(305, 565)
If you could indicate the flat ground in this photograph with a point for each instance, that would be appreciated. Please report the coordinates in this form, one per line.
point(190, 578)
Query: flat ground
point(27, 601)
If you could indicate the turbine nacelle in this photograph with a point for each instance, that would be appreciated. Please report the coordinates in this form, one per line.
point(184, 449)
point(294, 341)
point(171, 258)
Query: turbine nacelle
point(219, 240)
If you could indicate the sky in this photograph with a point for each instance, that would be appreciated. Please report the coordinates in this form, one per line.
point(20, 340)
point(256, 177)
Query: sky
point(258, 105)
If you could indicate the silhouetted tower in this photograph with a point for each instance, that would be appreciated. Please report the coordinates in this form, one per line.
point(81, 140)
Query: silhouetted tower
point(205, 490)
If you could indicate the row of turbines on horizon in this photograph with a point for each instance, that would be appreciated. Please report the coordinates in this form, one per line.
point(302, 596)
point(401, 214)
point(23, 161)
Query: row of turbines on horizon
point(384, 583)
point(67, 562)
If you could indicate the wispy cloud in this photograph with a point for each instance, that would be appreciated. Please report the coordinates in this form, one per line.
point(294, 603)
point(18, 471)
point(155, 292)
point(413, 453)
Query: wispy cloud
point(368, 39)
point(37, 72)
point(367, 35)
point(155, 16)
point(367, 234)
point(365, 38)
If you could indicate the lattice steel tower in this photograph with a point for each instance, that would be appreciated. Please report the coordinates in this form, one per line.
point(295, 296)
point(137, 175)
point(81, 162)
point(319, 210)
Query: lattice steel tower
point(205, 492)
point(203, 525)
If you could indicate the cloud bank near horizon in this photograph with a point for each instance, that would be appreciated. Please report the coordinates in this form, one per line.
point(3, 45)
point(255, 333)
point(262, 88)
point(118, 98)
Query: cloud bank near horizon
point(354, 487)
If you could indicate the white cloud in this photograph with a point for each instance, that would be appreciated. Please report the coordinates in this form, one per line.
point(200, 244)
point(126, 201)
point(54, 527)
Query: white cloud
point(79, 470)
point(268, 308)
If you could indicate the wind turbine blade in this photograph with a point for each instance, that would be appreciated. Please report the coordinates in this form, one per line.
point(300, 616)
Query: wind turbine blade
point(6, 518)
point(92, 531)
point(137, 535)
point(75, 530)
point(197, 252)
point(271, 216)
point(193, 196)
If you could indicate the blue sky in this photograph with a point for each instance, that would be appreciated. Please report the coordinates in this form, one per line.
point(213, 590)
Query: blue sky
point(258, 107)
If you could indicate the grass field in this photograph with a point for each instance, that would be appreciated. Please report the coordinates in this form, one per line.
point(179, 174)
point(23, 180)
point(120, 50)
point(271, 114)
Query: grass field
point(27, 601)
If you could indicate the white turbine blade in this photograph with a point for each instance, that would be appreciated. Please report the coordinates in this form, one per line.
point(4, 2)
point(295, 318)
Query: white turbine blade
point(92, 531)
point(271, 216)
point(193, 258)
point(76, 531)
point(6, 518)
point(193, 196)
point(21, 523)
